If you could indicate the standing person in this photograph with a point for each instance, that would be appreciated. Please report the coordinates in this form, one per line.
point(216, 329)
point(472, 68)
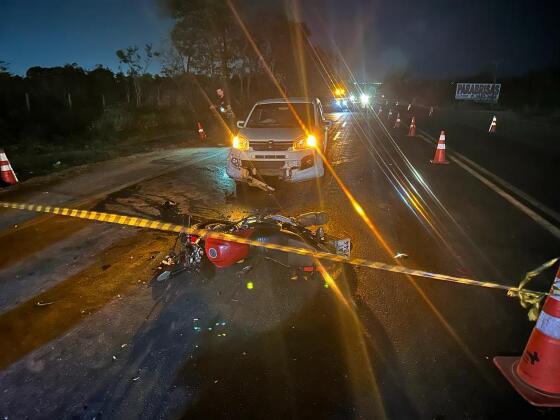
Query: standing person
point(223, 107)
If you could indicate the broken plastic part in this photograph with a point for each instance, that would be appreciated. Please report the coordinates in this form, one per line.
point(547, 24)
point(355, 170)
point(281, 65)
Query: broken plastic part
point(164, 276)
point(316, 218)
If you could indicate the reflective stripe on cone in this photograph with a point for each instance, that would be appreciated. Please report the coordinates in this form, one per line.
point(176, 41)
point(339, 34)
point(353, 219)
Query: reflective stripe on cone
point(412, 128)
point(439, 157)
point(7, 173)
point(536, 375)
point(493, 125)
point(201, 132)
point(397, 121)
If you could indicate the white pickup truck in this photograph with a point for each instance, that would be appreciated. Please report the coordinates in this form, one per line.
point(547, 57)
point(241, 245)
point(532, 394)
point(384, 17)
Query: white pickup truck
point(284, 138)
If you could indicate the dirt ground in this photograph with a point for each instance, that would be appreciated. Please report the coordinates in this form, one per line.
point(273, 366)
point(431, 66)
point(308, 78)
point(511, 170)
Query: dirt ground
point(29, 163)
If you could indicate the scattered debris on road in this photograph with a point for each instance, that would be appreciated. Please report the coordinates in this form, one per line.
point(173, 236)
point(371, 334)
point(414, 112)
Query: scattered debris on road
point(245, 270)
point(43, 303)
point(399, 255)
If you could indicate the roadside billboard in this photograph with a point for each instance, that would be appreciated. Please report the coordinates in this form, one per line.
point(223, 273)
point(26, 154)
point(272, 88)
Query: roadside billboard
point(478, 92)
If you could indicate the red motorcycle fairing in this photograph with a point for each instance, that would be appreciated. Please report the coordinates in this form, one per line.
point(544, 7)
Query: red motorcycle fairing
point(226, 253)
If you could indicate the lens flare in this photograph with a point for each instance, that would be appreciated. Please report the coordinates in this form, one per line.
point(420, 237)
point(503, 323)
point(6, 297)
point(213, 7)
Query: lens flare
point(311, 141)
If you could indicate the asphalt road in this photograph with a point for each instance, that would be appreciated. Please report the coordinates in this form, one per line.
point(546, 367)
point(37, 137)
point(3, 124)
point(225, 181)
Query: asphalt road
point(106, 341)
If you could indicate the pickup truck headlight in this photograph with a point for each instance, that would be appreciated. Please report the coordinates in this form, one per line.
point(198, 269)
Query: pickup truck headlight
point(240, 143)
point(308, 142)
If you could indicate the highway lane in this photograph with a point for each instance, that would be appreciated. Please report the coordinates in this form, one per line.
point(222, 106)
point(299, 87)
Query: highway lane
point(520, 153)
point(405, 348)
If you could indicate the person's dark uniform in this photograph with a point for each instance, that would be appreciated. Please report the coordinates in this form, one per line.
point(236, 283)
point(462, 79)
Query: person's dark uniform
point(223, 107)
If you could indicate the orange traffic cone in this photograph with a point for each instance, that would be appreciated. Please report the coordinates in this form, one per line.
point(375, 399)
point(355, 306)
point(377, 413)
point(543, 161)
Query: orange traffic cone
point(431, 111)
point(492, 128)
point(7, 174)
point(398, 121)
point(536, 375)
point(439, 157)
point(201, 132)
point(412, 128)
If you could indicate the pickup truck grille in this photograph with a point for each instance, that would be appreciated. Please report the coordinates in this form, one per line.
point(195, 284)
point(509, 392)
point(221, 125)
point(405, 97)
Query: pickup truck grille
point(267, 164)
point(270, 145)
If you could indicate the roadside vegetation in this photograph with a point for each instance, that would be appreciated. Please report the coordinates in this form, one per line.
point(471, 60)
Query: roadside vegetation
point(51, 118)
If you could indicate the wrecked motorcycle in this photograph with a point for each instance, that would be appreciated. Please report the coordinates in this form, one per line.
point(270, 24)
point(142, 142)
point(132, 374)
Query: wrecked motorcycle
point(190, 251)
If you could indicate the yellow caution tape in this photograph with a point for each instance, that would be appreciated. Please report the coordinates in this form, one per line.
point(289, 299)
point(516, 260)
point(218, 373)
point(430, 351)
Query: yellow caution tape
point(527, 299)
point(169, 227)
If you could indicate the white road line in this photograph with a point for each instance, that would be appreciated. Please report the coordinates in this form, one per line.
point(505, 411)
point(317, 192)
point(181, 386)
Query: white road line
point(547, 210)
point(520, 206)
point(337, 135)
point(344, 124)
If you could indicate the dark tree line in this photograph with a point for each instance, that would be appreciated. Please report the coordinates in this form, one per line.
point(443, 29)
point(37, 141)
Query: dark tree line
point(50, 104)
point(253, 49)
point(251, 45)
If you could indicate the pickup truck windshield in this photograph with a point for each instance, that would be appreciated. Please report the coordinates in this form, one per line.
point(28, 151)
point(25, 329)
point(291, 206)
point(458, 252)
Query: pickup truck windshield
point(281, 116)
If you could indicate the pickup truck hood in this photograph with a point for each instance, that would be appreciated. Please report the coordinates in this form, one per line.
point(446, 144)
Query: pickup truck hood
point(279, 134)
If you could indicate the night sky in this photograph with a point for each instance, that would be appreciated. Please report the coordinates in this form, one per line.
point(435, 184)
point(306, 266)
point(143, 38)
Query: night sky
point(55, 32)
point(427, 38)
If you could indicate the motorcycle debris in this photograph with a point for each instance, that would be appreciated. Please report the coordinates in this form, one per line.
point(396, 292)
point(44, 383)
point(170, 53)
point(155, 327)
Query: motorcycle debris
point(164, 276)
point(168, 260)
point(399, 255)
point(243, 271)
